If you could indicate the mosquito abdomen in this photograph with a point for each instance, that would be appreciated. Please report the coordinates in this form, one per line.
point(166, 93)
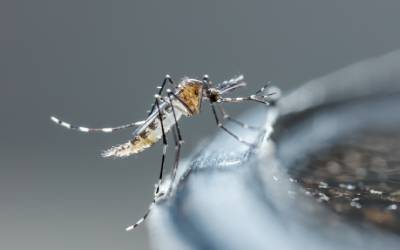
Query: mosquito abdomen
point(147, 137)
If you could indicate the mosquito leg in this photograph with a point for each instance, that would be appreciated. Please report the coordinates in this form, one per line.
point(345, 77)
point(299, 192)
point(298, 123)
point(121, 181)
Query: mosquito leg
point(178, 142)
point(261, 90)
point(165, 145)
point(221, 125)
point(226, 116)
point(178, 147)
point(254, 98)
point(140, 221)
point(174, 114)
point(157, 193)
point(161, 88)
point(91, 130)
point(266, 99)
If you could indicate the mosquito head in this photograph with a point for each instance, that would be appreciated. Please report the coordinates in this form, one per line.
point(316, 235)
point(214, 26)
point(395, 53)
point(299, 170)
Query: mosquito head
point(213, 94)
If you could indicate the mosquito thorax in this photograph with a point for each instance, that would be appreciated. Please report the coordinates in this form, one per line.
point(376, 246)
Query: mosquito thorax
point(190, 93)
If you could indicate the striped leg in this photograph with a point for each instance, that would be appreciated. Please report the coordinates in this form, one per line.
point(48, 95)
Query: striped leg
point(166, 79)
point(241, 124)
point(254, 98)
point(91, 130)
point(170, 93)
point(178, 143)
point(221, 125)
point(157, 193)
point(267, 99)
point(141, 220)
point(165, 145)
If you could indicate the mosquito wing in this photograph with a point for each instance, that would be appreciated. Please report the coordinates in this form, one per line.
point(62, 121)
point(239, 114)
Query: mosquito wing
point(149, 133)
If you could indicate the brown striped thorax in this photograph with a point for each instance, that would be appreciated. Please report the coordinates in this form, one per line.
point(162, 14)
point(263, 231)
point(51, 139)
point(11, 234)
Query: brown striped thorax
point(190, 91)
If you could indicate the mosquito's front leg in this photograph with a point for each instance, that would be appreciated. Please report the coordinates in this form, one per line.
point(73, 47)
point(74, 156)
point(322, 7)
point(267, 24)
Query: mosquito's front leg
point(267, 99)
point(253, 98)
point(221, 125)
point(226, 116)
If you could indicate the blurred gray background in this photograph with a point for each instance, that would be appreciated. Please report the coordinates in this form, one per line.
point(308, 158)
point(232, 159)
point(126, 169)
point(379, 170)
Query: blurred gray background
point(98, 63)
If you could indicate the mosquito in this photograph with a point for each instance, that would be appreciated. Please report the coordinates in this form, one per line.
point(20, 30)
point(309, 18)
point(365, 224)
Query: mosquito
point(185, 99)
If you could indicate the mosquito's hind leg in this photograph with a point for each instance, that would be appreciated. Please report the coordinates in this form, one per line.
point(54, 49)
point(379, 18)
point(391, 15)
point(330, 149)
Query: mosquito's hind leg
point(259, 96)
point(91, 130)
point(144, 217)
point(140, 221)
